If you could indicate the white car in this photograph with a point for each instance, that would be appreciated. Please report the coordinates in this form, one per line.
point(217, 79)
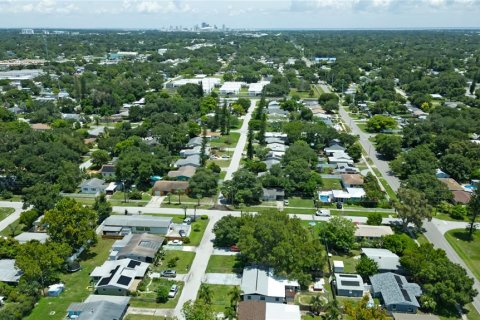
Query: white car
point(323, 213)
point(175, 243)
point(173, 291)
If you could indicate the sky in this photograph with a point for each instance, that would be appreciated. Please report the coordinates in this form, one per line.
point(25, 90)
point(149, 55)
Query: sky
point(260, 14)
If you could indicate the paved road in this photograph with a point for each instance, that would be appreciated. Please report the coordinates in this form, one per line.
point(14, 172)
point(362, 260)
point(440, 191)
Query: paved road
point(85, 165)
point(242, 141)
point(14, 216)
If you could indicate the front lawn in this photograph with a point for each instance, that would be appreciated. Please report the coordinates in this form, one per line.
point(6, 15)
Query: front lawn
point(469, 251)
point(220, 296)
point(148, 299)
point(226, 141)
point(183, 260)
point(5, 212)
point(76, 284)
point(300, 202)
point(224, 264)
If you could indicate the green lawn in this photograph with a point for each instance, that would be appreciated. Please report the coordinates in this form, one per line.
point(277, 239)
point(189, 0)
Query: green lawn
point(148, 300)
point(15, 228)
point(76, 285)
point(300, 202)
point(224, 264)
point(331, 184)
point(220, 296)
point(144, 317)
point(446, 217)
point(362, 126)
point(119, 195)
point(226, 141)
point(349, 262)
point(358, 213)
point(469, 251)
point(184, 262)
point(5, 212)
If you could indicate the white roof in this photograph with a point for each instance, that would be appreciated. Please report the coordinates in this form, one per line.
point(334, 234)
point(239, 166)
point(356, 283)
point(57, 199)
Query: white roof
point(349, 281)
point(373, 231)
point(340, 194)
point(231, 86)
point(111, 186)
point(257, 87)
point(280, 311)
point(28, 236)
point(356, 192)
point(138, 221)
point(263, 282)
point(385, 259)
point(338, 263)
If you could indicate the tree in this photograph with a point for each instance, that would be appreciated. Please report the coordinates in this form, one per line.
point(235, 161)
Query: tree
point(235, 295)
point(317, 303)
point(205, 294)
point(457, 166)
point(378, 123)
point(262, 129)
point(100, 157)
point(41, 196)
point(412, 207)
point(41, 262)
point(273, 239)
point(339, 233)
point(417, 160)
point(374, 219)
point(203, 149)
point(71, 223)
point(244, 187)
point(355, 151)
point(366, 267)
point(300, 150)
point(227, 231)
point(27, 218)
point(204, 182)
point(198, 310)
point(435, 190)
point(332, 311)
point(250, 149)
point(398, 243)
point(102, 207)
point(162, 294)
point(389, 146)
point(473, 209)
point(361, 311)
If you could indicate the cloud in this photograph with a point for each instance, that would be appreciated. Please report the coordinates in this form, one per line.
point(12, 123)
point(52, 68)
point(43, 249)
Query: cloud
point(155, 6)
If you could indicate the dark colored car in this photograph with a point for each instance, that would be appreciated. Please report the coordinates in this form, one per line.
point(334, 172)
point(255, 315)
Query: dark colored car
point(182, 233)
point(339, 205)
point(168, 273)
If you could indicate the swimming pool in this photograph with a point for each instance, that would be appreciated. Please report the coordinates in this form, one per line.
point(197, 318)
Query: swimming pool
point(470, 187)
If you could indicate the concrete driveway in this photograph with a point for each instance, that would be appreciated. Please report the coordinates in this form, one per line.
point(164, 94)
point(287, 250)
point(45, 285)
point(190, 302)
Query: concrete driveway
point(17, 206)
point(231, 279)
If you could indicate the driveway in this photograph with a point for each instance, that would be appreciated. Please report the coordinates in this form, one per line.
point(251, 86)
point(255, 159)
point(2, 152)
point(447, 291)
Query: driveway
point(17, 206)
point(231, 279)
point(155, 202)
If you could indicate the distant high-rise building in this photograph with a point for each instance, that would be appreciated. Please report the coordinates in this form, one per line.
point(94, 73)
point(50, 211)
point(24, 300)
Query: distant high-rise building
point(223, 27)
point(205, 25)
point(28, 31)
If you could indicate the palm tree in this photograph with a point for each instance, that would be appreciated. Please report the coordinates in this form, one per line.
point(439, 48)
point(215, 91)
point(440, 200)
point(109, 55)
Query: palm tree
point(316, 304)
point(235, 295)
point(205, 294)
point(331, 311)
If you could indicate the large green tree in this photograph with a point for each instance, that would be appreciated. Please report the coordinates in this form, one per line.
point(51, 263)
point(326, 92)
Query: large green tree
point(412, 207)
point(339, 233)
point(102, 207)
point(227, 231)
point(388, 145)
point(204, 183)
point(366, 267)
point(71, 223)
point(473, 210)
point(41, 196)
point(244, 187)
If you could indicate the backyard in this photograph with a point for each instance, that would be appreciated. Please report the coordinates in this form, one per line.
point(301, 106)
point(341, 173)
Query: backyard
point(148, 299)
point(220, 296)
point(77, 285)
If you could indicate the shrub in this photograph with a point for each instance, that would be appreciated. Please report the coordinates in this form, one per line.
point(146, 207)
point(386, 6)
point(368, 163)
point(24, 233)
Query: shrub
point(458, 212)
point(135, 195)
point(162, 294)
point(186, 240)
point(204, 217)
point(196, 227)
point(172, 263)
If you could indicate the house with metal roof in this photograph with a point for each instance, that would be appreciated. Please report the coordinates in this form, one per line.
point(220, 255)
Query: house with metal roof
point(9, 272)
point(93, 186)
point(194, 142)
point(261, 310)
point(124, 224)
point(99, 307)
point(108, 170)
point(396, 293)
point(334, 148)
point(141, 247)
point(25, 237)
point(117, 278)
point(262, 284)
point(349, 285)
point(385, 259)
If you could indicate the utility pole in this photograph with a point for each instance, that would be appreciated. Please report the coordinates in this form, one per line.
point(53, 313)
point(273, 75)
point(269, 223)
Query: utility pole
point(124, 191)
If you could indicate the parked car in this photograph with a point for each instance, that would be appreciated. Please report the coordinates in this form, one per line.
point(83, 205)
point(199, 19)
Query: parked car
point(285, 202)
point(173, 291)
point(225, 156)
point(323, 213)
point(168, 273)
point(339, 205)
point(175, 242)
point(234, 248)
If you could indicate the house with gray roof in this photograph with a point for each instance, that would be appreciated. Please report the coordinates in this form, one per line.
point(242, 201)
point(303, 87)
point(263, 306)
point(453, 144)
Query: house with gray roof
point(271, 162)
point(397, 294)
point(9, 272)
point(141, 247)
point(93, 186)
point(262, 284)
point(123, 224)
point(385, 259)
point(273, 194)
point(195, 142)
point(96, 131)
point(349, 285)
point(334, 149)
point(99, 307)
point(193, 161)
point(25, 237)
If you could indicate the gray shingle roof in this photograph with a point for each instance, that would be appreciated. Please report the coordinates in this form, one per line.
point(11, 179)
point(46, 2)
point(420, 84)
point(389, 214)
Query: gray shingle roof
point(395, 289)
point(8, 271)
point(104, 310)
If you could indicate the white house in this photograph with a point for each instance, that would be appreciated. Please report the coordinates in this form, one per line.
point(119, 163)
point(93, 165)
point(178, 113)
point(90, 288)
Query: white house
point(262, 284)
point(231, 87)
point(255, 89)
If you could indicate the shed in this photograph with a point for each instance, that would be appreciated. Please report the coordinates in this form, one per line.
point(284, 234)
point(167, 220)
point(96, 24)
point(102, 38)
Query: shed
point(338, 266)
point(55, 289)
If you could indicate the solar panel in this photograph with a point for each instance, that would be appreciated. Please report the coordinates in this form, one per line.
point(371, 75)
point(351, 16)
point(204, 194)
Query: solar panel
point(399, 281)
point(106, 280)
point(124, 280)
point(350, 283)
point(133, 263)
point(406, 295)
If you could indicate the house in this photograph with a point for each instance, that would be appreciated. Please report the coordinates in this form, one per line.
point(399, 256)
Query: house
point(117, 278)
point(96, 131)
point(231, 87)
point(273, 194)
point(261, 284)
point(350, 195)
point(194, 142)
point(271, 162)
point(108, 171)
point(369, 232)
point(385, 259)
point(278, 135)
point(340, 157)
point(338, 266)
point(25, 237)
point(274, 140)
point(140, 247)
point(349, 285)
point(196, 151)
point(261, 310)
point(329, 151)
point(99, 307)
point(277, 155)
point(164, 187)
point(111, 188)
point(345, 168)
point(193, 161)
point(255, 89)
point(274, 109)
point(279, 147)
point(124, 224)
point(93, 186)
point(459, 193)
point(183, 173)
point(352, 180)
point(397, 293)
point(9, 273)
